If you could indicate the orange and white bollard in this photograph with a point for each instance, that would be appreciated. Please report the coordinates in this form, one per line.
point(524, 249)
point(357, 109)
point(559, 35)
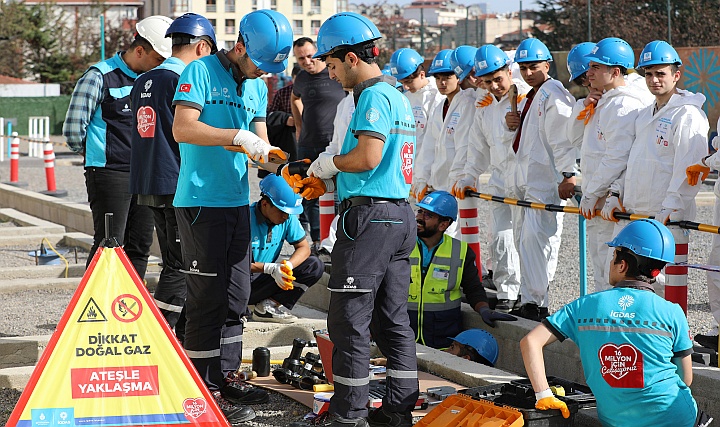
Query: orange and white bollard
point(49, 158)
point(470, 229)
point(676, 276)
point(327, 213)
point(15, 162)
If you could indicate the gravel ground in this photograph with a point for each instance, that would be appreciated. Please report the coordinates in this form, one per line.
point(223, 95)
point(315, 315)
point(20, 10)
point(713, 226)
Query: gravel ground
point(19, 320)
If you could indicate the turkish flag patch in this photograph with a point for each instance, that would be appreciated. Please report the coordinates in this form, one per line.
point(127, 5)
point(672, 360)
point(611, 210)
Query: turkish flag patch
point(185, 87)
point(621, 366)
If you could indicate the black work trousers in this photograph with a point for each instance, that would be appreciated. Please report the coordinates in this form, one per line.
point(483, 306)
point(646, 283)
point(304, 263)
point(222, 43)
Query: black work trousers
point(171, 290)
point(306, 274)
point(369, 290)
point(216, 260)
point(109, 192)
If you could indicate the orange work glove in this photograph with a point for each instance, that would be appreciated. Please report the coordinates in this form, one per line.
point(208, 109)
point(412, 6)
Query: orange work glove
point(695, 171)
point(553, 402)
point(312, 187)
point(292, 180)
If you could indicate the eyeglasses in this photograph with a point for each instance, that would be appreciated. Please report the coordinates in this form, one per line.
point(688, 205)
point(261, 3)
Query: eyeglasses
point(426, 214)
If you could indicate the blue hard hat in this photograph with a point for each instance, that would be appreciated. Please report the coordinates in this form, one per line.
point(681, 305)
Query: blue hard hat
point(194, 25)
point(482, 341)
point(345, 29)
point(462, 61)
point(532, 50)
point(386, 70)
point(488, 59)
point(404, 62)
point(647, 238)
point(658, 52)
point(577, 62)
point(612, 51)
point(268, 39)
point(441, 203)
point(441, 63)
point(281, 195)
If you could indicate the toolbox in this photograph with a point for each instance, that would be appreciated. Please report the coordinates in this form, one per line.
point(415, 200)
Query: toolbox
point(459, 410)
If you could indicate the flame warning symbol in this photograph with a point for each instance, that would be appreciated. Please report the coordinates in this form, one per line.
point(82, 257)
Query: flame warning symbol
point(92, 313)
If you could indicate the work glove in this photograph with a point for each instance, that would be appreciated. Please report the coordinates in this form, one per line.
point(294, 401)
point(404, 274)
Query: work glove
point(419, 190)
point(490, 316)
point(256, 148)
point(292, 180)
point(552, 402)
point(323, 167)
point(716, 142)
point(695, 171)
point(587, 206)
point(612, 204)
point(666, 215)
point(313, 187)
point(282, 273)
point(462, 185)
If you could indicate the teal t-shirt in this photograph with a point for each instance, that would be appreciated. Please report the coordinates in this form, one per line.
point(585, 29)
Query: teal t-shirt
point(385, 113)
point(213, 176)
point(626, 338)
point(266, 243)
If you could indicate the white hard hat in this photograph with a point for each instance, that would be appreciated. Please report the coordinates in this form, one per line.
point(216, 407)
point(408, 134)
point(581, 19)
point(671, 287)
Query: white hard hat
point(153, 29)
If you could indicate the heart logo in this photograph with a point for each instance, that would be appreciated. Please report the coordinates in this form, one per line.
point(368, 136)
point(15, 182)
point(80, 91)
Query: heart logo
point(621, 366)
point(146, 122)
point(406, 158)
point(194, 408)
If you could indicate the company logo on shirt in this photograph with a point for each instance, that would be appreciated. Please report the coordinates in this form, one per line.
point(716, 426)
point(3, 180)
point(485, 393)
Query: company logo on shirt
point(146, 122)
point(624, 302)
point(148, 84)
point(193, 267)
point(621, 366)
point(185, 87)
point(372, 115)
point(349, 283)
point(406, 156)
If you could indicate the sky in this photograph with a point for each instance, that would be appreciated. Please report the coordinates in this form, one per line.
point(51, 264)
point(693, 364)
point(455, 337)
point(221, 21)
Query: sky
point(499, 6)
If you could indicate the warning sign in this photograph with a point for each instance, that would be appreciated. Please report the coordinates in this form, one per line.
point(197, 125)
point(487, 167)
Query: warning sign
point(124, 369)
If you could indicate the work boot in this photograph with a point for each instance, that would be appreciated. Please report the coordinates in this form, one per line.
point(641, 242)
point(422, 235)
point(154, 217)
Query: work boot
point(531, 311)
point(487, 281)
point(380, 418)
point(235, 414)
point(505, 305)
point(242, 393)
point(326, 419)
point(707, 341)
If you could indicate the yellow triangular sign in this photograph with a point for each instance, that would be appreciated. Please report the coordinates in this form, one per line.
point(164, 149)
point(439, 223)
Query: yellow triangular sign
point(113, 361)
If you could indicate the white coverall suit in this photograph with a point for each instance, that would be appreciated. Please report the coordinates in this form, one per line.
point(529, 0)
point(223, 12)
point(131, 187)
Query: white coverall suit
point(666, 143)
point(606, 144)
point(423, 102)
point(713, 278)
point(543, 152)
point(490, 149)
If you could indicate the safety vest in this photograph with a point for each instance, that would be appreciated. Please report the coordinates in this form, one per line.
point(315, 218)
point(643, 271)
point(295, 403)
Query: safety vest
point(436, 295)
point(107, 144)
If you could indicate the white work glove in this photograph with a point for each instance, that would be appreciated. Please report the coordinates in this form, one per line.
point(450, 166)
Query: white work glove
point(255, 147)
point(587, 206)
point(666, 215)
point(716, 142)
point(612, 204)
point(419, 189)
point(282, 273)
point(324, 167)
point(458, 189)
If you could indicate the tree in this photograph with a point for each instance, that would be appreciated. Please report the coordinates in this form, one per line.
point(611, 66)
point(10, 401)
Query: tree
point(636, 21)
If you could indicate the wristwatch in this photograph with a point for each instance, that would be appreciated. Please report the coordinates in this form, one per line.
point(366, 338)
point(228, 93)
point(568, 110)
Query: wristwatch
point(568, 174)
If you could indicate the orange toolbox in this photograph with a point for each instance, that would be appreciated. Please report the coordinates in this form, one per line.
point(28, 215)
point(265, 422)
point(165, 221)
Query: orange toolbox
point(458, 410)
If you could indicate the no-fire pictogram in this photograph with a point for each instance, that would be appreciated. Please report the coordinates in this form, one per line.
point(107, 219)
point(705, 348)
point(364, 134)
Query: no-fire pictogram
point(127, 308)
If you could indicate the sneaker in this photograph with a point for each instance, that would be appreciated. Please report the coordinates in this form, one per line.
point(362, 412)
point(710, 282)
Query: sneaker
point(326, 419)
point(487, 281)
point(269, 311)
point(235, 414)
point(707, 341)
point(242, 393)
point(505, 305)
point(531, 311)
point(380, 418)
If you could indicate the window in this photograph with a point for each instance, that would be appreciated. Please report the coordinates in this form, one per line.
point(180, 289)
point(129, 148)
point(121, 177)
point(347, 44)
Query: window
point(254, 4)
point(297, 6)
point(229, 26)
point(214, 24)
point(229, 45)
point(230, 6)
point(210, 6)
point(315, 26)
point(315, 6)
point(179, 6)
point(273, 4)
point(297, 26)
